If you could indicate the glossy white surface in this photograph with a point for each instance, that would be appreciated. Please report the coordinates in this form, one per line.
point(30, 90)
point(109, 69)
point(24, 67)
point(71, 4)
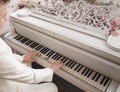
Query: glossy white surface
point(114, 42)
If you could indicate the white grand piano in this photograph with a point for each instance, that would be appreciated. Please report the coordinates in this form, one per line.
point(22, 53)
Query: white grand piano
point(89, 63)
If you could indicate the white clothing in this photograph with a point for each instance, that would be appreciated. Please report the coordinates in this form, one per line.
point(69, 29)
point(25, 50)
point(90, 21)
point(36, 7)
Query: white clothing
point(13, 71)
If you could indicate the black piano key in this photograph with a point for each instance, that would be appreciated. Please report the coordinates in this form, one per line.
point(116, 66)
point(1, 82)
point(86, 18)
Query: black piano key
point(97, 77)
point(70, 64)
point(19, 38)
point(35, 45)
point(56, 56)
point(47, 50)
point(32, 45)
point(80, 68)
point(89, 73)
point(38, 47)
point(107, 80)
point(83, 71)
point(24, 40)
point(94, 76)
point(77, 67)
point(51, 54)
point(28, 42)
point(59, 57)
point(102, 80)
point(42, 50)
point(73, 65)
point(16, 36)
point(66, 61)
point(63, 59)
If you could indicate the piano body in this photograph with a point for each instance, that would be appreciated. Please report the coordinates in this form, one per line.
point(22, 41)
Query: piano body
point(88, 62)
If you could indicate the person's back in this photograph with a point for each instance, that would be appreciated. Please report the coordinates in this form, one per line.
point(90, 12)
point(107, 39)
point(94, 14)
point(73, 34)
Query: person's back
point(16, 76)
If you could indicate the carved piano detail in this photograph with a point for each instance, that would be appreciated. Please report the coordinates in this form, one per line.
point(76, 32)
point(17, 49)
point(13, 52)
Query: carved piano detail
point(88, 62)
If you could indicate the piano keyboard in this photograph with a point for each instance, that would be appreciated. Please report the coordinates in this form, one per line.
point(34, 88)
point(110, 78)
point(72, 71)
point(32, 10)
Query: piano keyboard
point(81, 72)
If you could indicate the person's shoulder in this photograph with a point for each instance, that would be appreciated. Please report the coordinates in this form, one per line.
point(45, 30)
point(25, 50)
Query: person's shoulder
point(3, 49)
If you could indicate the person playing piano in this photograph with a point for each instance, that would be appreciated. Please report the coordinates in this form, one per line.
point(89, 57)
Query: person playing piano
point(15, 76)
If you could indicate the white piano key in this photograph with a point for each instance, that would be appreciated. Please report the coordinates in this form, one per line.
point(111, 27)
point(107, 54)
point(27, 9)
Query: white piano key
point(99, 80)
point(50, 53)
point(50, 59)
point(21, 39)
point(90, 78)
point(87, 78)
point(67, 65)
point(45, 55)
point(72, 69)
point(75, 71)
point(79, 73)
point(82, 73)
point(71, 66)
point(103, 87)
point(26, 42)
point(84, 77)
point(107, 84)
point(95, 82)
point(68, 61)
point(60, 59)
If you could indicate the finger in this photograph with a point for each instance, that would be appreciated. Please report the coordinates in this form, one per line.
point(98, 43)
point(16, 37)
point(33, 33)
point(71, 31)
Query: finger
point(33, 53)
point(33, 59)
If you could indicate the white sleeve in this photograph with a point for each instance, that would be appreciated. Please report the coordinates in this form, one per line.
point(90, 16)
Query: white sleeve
point(11, 69)
point(18, 57)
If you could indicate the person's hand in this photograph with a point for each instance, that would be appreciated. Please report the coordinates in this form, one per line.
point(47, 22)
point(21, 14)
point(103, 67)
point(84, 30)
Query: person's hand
point(29, 57)
point(56, 66)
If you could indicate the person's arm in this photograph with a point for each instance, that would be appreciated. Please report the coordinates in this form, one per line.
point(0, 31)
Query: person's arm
point(13, 70)
point(18, 57)
point(28, 58)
